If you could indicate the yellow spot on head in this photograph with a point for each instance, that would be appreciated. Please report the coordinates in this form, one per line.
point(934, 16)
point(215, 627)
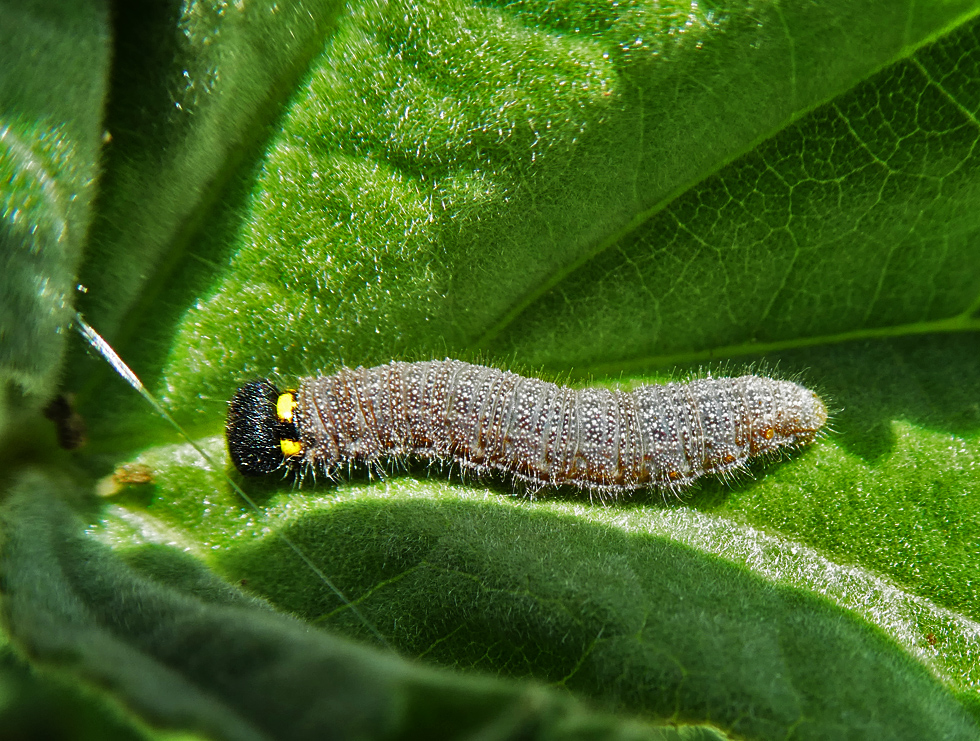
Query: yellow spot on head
point(770, 433)
point(285, 405)
point(290, 447)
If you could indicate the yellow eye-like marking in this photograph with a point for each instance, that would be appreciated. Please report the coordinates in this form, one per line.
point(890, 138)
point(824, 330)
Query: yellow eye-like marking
point(285, 405)
point(290, 447)
point(770, 433)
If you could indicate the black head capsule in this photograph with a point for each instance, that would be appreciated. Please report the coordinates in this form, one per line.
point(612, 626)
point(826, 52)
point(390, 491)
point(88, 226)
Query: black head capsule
point(262, 436)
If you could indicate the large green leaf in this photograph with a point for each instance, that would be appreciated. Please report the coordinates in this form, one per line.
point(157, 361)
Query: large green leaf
point(617, 191)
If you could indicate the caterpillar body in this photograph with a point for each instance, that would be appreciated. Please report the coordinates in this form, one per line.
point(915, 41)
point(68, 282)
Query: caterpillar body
point(487, 420)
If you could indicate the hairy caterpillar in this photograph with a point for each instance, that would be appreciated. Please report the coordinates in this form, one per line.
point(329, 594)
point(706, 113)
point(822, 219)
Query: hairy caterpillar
point(484, 419)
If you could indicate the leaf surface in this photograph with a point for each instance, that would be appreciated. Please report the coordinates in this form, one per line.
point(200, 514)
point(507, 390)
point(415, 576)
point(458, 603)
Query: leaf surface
point(184, 648)
point(612, 192)
point(53, 70)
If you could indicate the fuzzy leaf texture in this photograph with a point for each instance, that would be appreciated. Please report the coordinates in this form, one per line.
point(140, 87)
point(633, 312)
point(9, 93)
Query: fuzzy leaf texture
point(595, 192)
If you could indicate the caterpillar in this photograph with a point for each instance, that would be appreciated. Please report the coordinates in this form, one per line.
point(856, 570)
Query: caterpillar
point(487, 420)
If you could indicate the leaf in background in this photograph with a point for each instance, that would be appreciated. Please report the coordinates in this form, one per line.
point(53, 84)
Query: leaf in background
point(53, 69)
point(41, 705)
point(586, 187)
point(194, 88)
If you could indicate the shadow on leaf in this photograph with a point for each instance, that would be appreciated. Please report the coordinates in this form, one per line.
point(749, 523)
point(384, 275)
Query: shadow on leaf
point(638, 622)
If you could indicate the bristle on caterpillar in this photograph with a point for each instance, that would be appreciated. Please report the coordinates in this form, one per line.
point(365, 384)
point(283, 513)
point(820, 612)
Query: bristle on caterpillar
point(487, 420)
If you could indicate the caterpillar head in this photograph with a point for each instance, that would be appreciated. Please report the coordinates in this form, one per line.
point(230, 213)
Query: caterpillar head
point(262, 436)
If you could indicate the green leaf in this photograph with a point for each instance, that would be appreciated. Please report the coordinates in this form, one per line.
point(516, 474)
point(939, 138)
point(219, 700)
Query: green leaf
point(53, 68)
point(381, 185)
point(33, 706)
point(194, 88)
point(611, 191)
point(609, 605)
point(183, 648)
